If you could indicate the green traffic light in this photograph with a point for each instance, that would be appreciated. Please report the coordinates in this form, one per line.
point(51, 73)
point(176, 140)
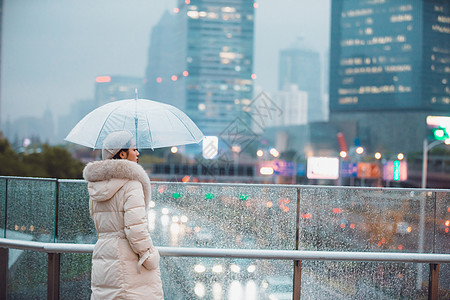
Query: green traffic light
point(209, 196)
point(176, 195)
point(440, 134)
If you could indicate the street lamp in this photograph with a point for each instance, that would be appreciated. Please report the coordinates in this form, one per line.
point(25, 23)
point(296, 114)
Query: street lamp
point(274, 152)
point(377, 155)
point(360, 150)
point(427, 147)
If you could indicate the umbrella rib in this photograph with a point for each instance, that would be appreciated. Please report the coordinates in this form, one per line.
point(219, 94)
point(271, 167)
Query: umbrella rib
point(101, 129)
point(149, 131)
point(183, 124)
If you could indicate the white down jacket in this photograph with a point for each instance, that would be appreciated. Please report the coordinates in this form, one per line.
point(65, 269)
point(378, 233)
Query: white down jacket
point(125, 264)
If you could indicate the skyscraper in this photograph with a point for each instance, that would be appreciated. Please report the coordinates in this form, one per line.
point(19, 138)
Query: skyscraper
point(201, 60)
point(301, 66)
point(389, 66)
point(294, 105)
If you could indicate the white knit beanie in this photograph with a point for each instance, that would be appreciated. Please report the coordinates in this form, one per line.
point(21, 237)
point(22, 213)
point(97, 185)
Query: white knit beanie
point(114, 142)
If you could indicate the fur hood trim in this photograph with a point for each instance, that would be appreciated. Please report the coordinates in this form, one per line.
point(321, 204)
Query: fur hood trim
point(104, 170)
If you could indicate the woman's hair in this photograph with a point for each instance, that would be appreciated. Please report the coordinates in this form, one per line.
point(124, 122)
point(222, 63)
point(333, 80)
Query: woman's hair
point(117, 155)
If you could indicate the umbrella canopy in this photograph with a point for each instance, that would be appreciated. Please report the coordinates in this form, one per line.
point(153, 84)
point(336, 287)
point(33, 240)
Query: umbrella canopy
point(153, 125)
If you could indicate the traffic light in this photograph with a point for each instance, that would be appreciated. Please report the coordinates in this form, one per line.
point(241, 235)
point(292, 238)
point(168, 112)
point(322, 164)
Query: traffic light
point(440, 133)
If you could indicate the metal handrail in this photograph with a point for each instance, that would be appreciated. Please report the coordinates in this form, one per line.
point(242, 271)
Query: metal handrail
point(255, 185)
point(54, 251)
point(29, 178)
point(241, 253)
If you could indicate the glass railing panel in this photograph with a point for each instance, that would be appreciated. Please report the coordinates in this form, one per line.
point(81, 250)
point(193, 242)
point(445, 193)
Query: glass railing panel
point(442, 238)
point(2, 207)
point(217, 278)
point(442, 234)
point(74, 222)
point(27, 278)
point(75, 278)
point(349, 219)
point(31, 209)
point(361, 280)
point(75, 226)
point(223, 216)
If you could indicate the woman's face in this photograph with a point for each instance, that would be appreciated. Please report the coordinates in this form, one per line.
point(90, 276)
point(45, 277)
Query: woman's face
point(133, 154)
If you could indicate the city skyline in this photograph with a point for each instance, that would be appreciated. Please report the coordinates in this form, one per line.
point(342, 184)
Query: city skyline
point(70, 65)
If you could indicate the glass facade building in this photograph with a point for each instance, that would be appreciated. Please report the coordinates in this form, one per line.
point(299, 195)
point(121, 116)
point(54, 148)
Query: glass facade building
point(390, 55)
point(389, 58)
point(201, 60)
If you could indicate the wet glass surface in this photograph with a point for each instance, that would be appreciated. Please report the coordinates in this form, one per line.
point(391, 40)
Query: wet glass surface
point(74, 223)
point(27, 275)
point(336, 219)
point(244, 217)
point(75, 278)
point(254, 217)
point(31, 209)
point(2, 207)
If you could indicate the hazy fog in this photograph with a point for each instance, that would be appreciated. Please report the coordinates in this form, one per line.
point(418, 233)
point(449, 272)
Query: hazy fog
point(52, 50)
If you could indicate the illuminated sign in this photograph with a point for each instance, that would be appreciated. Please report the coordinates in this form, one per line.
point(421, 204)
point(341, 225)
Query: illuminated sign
point(322, 168)
point(438, 121)
point(210, 147)
point(103, 79)
point(349, 169)
point(395, 170)
point(368, 170)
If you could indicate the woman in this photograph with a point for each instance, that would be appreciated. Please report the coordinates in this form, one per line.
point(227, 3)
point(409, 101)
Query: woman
point(125, 264)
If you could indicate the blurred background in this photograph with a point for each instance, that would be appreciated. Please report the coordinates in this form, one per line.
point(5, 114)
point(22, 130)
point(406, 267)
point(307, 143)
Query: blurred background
point(313, 92)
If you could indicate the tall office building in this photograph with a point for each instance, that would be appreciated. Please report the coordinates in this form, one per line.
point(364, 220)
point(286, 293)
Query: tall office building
point(301, 66)
point(293, 104)
point(201, 60)
point(389, 68)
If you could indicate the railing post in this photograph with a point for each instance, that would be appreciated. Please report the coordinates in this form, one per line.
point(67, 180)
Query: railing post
point(6, 208)
point(55, 235)
point(4, 252)
point(53, 276)
point(297, 279)
point(297, 263)
point(433, 285)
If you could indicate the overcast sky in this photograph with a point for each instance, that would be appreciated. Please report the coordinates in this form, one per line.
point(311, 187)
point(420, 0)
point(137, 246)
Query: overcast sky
point(52, 50)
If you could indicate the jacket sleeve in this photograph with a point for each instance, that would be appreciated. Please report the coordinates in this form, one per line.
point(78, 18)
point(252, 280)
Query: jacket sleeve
point(136, 227)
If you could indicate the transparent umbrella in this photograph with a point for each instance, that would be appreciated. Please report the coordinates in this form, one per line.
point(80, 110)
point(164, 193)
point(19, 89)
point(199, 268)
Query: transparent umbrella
point(153, 124)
